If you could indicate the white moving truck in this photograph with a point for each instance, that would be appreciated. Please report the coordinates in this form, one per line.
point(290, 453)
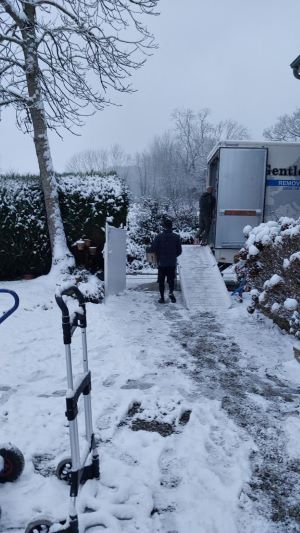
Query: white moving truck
point(255, 182)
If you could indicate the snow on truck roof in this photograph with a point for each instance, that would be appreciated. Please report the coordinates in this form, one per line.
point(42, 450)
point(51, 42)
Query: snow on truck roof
point(246, 144)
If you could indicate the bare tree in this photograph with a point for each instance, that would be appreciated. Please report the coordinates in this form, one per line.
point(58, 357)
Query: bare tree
point(89, 161)
point(287, 128)
point(158, 169)
point(102, 160)
point(230, 129)
point(118, 158)
point(175, 164)
point(58, 61)
point(196, 135)
point(193, 132)
point(142, 165)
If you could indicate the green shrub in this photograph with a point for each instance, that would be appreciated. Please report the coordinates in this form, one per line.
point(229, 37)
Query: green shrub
point(86, 202)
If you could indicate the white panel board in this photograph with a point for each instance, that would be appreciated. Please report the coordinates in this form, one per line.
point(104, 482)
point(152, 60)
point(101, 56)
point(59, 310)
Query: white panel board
point(114, 260)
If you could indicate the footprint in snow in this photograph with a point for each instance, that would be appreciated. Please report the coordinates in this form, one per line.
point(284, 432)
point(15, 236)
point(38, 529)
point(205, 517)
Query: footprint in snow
point(105, 419)
point(5, 393)
point(110, 380)
point(137, 384)
point(171, 468)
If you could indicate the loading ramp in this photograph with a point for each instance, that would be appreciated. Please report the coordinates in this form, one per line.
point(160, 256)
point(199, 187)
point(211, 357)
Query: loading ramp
point(201, 281)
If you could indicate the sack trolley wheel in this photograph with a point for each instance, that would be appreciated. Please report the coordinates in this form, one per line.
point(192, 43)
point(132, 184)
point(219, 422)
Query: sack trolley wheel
point(41, 525)
point(12, 463)
point(63, 470)
point(74, 470)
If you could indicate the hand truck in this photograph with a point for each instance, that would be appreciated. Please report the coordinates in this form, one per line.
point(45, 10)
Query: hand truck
point(11, 458)
point(74, 470)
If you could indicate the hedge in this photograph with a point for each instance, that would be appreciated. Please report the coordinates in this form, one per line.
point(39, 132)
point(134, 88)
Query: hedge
point(86, 202)
point(270, 264)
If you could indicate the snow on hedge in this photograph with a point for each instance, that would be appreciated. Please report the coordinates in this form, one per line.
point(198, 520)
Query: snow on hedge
point(262, 234)
point(99, 187)
point(290, 304)
point(86, 202)
point(271, 265)
point(275, 280)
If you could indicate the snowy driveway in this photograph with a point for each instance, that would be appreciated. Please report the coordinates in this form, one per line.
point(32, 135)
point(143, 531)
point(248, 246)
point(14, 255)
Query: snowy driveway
point(246, 363)
point(197, 417)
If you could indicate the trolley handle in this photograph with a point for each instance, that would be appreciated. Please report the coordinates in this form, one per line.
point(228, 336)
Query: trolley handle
point(13, 308)
point(79, 319)
point(69, 291)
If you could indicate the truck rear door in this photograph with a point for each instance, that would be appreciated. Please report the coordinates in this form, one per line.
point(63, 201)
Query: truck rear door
point(240, 194)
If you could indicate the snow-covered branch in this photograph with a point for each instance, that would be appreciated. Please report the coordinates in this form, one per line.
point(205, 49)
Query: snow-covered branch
point(10, 96)
point(80, 52)
point(57, 6)
point(13, 11)
point(4, 38)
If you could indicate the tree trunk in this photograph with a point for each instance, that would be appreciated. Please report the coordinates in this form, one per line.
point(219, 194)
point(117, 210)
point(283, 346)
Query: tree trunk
point(60, 252)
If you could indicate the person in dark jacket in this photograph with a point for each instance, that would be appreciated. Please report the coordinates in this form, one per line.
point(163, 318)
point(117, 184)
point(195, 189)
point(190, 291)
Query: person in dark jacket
point(207, 205)
point(167, 248)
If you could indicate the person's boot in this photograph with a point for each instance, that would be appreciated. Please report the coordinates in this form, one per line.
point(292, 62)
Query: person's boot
point(162, 299)
point(172, 297)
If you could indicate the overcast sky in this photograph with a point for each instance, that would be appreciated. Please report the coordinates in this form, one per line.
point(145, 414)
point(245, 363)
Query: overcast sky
point(231, 56)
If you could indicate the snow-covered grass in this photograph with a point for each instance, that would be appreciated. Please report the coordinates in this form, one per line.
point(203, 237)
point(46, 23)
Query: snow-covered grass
point(191, 479)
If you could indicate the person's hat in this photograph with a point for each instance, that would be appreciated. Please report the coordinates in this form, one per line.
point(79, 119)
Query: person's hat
point(167, 223)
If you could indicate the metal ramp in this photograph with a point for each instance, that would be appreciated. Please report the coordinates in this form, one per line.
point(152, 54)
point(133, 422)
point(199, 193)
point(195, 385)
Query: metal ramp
point(201, 281)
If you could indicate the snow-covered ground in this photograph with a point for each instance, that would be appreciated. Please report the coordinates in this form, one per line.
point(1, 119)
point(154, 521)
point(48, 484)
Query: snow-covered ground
point(197, 416)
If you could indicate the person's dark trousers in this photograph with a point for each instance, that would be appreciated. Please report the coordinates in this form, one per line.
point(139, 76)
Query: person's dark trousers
point(204, 227)
point(163, 273)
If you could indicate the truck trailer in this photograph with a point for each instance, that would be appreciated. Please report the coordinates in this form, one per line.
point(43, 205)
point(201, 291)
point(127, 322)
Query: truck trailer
point(254, 182)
